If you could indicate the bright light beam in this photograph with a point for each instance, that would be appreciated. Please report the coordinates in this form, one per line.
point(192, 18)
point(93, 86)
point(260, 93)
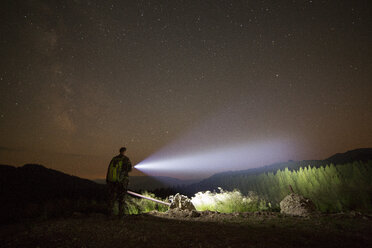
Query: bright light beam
point(239, 157)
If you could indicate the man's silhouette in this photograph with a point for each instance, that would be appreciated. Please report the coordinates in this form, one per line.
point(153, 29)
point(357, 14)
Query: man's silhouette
point(117, 180)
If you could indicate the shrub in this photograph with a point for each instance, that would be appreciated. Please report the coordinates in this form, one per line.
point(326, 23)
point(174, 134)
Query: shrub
point(228, 201)
point(140, 205)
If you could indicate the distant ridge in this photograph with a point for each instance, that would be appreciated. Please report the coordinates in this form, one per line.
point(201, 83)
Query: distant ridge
point(36, 183)
point(138, 183)
point(361, 154)
point(33, 191)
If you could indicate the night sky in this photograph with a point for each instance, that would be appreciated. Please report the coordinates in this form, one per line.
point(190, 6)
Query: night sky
point(80, 79)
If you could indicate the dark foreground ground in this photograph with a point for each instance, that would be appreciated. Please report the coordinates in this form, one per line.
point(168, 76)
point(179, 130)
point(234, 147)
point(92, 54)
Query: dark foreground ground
point(157, 230)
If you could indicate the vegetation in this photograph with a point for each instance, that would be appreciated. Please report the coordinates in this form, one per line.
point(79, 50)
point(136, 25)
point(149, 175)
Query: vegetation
point(332, 188)
point(222, 201)
point(219, 180)
point(140, 205)
point(228, 202)
point(34, 191)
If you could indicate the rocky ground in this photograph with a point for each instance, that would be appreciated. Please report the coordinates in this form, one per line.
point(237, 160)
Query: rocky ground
point(193, 229)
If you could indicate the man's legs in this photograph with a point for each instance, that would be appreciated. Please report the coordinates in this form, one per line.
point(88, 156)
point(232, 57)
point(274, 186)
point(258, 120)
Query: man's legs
point(121, 204)
point(121, 196)
point(111, 198)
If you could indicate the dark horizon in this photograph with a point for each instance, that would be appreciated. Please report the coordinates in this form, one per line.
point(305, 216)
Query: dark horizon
point(359, 154)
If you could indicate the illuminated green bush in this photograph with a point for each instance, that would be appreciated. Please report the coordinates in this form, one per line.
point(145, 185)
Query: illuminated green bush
point(228, 202)
point(332, 188)
point(223, 202)
point(140, 205)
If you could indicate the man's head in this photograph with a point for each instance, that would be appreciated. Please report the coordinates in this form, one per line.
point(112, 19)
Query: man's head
point(122, 150)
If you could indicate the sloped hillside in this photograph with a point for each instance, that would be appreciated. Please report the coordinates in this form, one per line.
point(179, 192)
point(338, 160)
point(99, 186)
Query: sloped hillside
point(30, 187)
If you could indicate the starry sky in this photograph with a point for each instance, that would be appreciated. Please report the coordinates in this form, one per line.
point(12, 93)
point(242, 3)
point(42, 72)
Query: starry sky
point(79, 79)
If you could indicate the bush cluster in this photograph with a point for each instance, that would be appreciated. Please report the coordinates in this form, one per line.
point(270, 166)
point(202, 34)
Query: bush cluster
point(140, 205)
point(228, 201)
point(333, 188)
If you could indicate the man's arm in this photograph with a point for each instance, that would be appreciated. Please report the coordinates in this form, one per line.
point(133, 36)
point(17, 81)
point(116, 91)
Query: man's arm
point(129, 166)
point(108, 171)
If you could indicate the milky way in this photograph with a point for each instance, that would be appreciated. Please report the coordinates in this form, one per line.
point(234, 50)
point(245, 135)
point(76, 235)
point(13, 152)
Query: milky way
point(79, 79)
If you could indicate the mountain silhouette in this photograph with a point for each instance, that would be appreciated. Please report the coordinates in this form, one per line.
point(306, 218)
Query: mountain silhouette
point(362, 154)
point(23, 188)
point(35, 183)
point(138, 183)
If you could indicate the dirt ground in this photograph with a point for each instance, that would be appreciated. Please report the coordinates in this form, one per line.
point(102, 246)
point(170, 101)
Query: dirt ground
point(185, 229)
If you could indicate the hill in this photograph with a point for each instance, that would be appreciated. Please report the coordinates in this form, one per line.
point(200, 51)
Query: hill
point(32, 187)
point(35, 183)
point(362, 154)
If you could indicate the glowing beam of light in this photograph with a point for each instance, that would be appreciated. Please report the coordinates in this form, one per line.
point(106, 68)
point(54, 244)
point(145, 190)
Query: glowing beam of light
point(238, 157)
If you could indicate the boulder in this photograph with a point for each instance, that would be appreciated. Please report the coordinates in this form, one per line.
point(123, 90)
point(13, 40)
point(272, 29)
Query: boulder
point(181, 202)
point(178, 213)
point(194, 214)
point(297, 205)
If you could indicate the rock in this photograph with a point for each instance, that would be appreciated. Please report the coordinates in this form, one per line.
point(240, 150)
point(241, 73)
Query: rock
point(355, 214)
point(181, 202)
point(178, 213)
point(208, 212)
point(297, 205)
point(194, 214)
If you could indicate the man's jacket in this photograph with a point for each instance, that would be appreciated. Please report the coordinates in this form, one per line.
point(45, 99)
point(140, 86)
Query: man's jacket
point(118, 169)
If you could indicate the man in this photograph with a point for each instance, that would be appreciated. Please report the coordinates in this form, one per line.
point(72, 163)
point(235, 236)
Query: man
point(117, 180)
